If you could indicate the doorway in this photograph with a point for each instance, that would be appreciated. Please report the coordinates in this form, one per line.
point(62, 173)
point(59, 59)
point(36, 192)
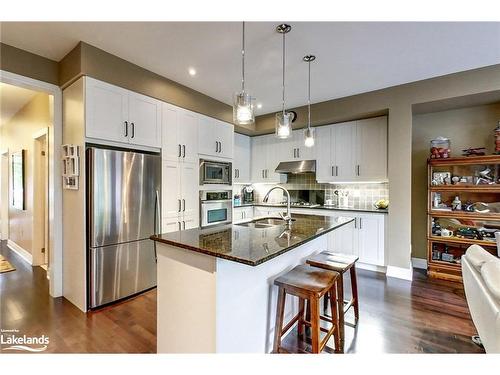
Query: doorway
point(51, 234)
point(4, 194)
point(41, 249)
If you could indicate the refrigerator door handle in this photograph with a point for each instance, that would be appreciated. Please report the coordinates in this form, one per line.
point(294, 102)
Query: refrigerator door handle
point(156, 221)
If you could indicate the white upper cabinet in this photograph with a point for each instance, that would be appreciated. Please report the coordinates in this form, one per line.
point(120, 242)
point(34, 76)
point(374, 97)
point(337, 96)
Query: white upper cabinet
point(179, 134)
point(324, 165)
point(242, 156)
point(215, 138)
point(267, 153)
point(371, 153)
point(344, 145)
point(293, 148)
point(119, 115)
point(352, 151)
point(144, 114)
point(106, 110)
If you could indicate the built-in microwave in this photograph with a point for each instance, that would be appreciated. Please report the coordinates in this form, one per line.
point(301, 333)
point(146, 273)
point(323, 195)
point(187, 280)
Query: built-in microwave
point(216, 207)
point(215, 172)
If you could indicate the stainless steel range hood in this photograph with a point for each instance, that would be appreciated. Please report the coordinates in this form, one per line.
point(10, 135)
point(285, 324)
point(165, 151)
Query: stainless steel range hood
point(303, 166)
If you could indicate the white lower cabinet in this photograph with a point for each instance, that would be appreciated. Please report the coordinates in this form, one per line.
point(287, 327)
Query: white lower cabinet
point(365, 237)
point(242, 213)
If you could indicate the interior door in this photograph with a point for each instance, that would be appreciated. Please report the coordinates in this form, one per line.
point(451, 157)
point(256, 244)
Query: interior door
point(171, 188)
point(106, 111)
point(371, 152)
point(144, 115)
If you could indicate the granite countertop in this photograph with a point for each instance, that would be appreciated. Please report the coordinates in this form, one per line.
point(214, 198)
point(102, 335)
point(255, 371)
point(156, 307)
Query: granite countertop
point(359, 208)
point(251, 245)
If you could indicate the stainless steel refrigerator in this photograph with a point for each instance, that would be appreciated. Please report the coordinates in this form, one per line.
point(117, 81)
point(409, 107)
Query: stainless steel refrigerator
point(123, 199)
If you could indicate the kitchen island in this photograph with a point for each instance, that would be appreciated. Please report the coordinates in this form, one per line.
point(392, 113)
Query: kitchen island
point(215, 285)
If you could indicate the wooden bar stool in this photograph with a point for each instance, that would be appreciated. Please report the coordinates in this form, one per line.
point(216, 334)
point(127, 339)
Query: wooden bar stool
point(308, 284)
point(340, 263)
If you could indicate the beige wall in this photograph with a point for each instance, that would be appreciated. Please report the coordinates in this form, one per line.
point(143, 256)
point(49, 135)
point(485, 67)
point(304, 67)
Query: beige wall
point(466, 127)
point(28, 64)
point(16, 135)
point(397, 102)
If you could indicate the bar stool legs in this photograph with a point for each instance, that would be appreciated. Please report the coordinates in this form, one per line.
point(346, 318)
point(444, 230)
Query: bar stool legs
point(354, 288)
point(310, 316)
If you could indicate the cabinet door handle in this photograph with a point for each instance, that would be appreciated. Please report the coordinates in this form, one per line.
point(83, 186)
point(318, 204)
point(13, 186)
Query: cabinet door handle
point(183, 151)
point(355, 223)
point(126, 128)
point(298, 153)
point(179, 223)
point(332, 169)
point(216, 146)
point(184, 225)
point(336, 170)
point(357, 170)
point(179, 209)
point(294, 153)
point(183, 205)
point(262, 172)
point(180, 152)
point(220, 147)
point(133, 130)
point(266, 173)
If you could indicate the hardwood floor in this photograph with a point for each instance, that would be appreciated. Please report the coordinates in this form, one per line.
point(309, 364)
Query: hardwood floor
point(25, 304)
point(396, 316)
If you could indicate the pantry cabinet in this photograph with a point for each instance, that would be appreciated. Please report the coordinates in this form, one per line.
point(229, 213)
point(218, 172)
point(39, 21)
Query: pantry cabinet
point(118, 115)
point(179, 134)
point(180, 195)
point(215, 138)
point(242, 156)
point(352, 151)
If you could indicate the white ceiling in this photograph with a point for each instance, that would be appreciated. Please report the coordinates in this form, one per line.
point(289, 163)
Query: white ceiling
point(12, 99)
point(351, 57)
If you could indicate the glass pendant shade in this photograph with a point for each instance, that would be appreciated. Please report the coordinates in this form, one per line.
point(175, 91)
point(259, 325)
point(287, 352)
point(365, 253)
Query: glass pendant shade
point(243, 109)
point(284, 124)
point(309, 137)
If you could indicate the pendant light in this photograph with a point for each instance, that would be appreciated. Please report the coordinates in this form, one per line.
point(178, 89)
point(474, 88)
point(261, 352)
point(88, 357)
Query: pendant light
point(242, 103)
point(283, 118)
point(309, 132)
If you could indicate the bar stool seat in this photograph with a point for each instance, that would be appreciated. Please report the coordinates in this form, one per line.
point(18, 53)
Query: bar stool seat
point(340, 263)
point(308, 284)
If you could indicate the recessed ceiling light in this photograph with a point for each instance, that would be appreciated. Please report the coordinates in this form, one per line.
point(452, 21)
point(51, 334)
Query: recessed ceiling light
point(192, 71)
point(259, 105)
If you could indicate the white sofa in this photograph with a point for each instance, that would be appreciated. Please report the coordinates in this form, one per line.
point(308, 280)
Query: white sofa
point(481, 276)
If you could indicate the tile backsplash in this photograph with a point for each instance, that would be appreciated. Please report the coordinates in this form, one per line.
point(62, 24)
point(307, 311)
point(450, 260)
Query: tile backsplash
point(359, 194)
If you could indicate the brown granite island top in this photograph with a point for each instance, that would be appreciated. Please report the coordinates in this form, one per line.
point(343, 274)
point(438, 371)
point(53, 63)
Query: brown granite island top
point(253, 245)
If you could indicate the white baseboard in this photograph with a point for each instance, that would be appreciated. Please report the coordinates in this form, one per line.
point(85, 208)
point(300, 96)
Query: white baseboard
point(419, 263)
point(371, 267)
point(25, 255)
point(400, 273)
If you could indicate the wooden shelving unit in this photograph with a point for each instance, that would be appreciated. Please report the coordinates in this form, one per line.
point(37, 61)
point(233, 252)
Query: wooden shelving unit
point(456, 246)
